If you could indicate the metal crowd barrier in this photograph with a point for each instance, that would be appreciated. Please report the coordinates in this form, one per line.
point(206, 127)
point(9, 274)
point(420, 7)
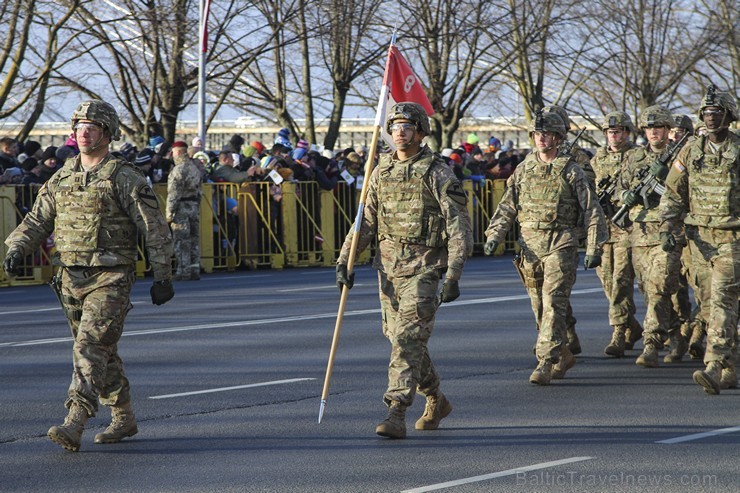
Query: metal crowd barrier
point(244, 226)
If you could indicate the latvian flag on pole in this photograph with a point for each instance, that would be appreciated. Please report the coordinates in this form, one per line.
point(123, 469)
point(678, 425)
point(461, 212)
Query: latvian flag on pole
point(399, 84)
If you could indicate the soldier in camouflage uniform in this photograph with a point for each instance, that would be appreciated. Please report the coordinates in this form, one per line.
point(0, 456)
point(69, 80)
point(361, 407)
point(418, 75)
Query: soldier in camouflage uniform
point(584, 161)
point(94, 206)
point(550, 196)
point(616, 273)
point(183, 212)
point(694, 325)
point(702, 192)
point(656, 270)
point(417, 210)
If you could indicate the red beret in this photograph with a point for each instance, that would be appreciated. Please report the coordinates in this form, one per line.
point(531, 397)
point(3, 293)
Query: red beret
point(179, 143)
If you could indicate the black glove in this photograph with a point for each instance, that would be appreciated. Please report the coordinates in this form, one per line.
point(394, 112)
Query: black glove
point(667, 242)
point(630, 198)
point(659, 171)
point(343, 279)
point(162, 292)
point(450, 291)
point(12, 264)
point(591, 261)
point(490, 247)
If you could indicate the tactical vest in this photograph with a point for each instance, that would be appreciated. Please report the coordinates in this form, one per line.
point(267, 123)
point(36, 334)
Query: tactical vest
point(550, 202)
point(91, 229)
point(407, 211)
point(714, 187)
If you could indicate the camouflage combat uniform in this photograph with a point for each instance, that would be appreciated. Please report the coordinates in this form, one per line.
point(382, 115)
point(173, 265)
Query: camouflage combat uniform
point(550, 201)
point(656, 271)
point(95, 216)
point(616, 273)
point(703, 185)
point(417, 210)
point(183, 215)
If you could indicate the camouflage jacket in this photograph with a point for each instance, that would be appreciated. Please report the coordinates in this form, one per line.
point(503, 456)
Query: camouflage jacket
point(703, 188)
point(645, 230)
point(183, 183)
point(442, 192)
point(550, 200)
point(95, 215)
point(607, 166)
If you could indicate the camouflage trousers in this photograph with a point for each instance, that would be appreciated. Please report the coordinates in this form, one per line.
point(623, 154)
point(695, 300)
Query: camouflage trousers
point(718, 253)
point(96, 301)
point(549, 280)
point(408, 307)
point(657, 277)
point(186, 236)
point(618, 277)
point(700, 281)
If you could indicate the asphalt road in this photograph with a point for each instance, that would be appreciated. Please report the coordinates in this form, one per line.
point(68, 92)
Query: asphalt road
point(227, 380)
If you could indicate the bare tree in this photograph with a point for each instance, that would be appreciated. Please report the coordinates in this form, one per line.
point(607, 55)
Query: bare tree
point(34, 48)
point(650, 47)
point(722, 62)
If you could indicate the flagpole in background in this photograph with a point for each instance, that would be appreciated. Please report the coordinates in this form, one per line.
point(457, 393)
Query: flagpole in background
point(204, 6)
point(369, 165)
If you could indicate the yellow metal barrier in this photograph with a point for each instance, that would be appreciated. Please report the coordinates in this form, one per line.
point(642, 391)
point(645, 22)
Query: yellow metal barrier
point(244, 226)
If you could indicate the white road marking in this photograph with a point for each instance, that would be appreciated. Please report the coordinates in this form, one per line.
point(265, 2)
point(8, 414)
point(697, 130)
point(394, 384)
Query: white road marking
point(35, 310)
point(500, 474)
point(699, 436)
point(235, 387)
point(314, 288)
point(297, 318)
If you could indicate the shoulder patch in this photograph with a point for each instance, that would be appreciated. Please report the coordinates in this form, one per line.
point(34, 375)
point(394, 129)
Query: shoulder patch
point(678, 166)
point(456, 193)
point(146, 196)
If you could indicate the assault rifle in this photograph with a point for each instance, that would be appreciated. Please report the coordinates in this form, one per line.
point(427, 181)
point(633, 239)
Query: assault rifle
point(606, 187)
point(568, 148)
point(648, 183)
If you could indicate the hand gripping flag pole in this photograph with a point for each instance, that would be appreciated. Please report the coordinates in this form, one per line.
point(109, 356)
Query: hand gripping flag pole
point(399, 84)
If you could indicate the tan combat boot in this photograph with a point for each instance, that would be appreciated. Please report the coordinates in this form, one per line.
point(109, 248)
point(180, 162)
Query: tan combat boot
point(649, 356)
point(632, 334)
point(566, 362)
point(696, 344)
point(679, 346)
point(394, 426)
point(437, 407)
point(616, 345)
point(542, 374)
point(728, 380)
point(69, 434)
point(709, 378)
point(122, 425)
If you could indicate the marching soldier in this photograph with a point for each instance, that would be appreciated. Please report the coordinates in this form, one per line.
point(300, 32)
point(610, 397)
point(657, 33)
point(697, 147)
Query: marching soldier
point(94, 206)
point(616, 273)
point(550, 196)
point(703, 185)
point(417, 210)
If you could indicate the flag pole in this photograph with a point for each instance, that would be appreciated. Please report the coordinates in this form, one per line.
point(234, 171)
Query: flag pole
point(369, 165)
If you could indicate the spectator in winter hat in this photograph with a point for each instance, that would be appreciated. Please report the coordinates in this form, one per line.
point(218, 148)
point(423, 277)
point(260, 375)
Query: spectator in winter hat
point(65, 152)
point(236, 142)
point(473, 139)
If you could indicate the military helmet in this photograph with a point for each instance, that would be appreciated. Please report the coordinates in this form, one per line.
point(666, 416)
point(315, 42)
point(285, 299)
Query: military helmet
point(98, 111)
point(684, 122)
point(413, 112)
point(560, 111)
point(656, 116)
point(618, 119)
point(721, 99)
point(548, 122)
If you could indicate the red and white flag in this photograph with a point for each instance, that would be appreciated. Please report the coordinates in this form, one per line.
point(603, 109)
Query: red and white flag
point(399, 84)
point(204, 25)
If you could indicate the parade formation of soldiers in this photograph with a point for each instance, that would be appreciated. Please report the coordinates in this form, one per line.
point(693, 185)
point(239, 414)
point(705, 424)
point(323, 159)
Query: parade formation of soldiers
point(666, 214)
